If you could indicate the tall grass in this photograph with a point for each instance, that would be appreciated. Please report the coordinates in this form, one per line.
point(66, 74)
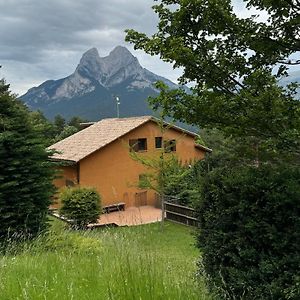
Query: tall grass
point(119, 263)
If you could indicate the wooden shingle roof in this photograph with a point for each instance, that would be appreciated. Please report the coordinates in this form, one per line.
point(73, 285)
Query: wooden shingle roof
point(83, 143)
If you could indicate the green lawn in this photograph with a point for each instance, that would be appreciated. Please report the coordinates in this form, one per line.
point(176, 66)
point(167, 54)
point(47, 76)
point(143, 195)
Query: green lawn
point(131, 263)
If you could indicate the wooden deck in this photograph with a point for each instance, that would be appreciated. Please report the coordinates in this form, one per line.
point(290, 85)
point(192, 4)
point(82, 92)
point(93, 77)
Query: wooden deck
point(131, 216)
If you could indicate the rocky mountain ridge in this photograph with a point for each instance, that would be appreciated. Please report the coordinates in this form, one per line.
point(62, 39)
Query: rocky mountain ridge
point(89, 92)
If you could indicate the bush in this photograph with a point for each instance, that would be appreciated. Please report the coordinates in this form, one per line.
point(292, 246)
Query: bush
point(81, 205)
point(250, 232)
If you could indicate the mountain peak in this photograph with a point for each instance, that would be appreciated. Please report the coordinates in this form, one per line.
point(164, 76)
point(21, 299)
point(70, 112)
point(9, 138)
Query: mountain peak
point(88, 91)
point(89, 65)
point(90, 55)
point(120, 51)
point(91, 52)
point(119, 58)
point(109, 70)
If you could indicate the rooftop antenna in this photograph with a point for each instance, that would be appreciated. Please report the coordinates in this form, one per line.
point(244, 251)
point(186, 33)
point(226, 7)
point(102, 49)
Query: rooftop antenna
point(118, 103)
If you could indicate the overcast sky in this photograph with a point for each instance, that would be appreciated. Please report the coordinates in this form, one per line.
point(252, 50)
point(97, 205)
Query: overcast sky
point(45, 39)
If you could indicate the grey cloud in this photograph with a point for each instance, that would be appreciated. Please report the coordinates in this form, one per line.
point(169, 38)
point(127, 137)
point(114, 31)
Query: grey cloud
point(49, 36)
point(44, 39)
point(37, 25)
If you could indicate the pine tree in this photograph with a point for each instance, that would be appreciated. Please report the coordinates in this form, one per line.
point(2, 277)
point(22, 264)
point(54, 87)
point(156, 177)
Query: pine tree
point(25, 172)
point(59, 124)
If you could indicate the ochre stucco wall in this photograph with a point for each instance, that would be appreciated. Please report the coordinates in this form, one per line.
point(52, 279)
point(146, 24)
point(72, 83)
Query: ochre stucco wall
point(115, 174)
point(64, 173)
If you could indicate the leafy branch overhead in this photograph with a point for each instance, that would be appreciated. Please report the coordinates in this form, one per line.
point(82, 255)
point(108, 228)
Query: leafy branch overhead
point(217, 47)
point(234, 64)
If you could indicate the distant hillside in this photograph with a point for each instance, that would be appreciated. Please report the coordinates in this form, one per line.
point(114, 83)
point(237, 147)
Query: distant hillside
point(90, 91)
point(293, 77)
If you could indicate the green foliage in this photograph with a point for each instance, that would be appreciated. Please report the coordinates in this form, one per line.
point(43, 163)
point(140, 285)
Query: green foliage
point(249, 218)
point(240, 61)
point(232, 46)
point(56, 131)
point(43, 126)
point(81, 205)
point(166, 175)
point(59, 123)
point(250, 232)
point(63, 129)
point(25, 172)
point(182, 183)
point(75, 122)
point(177, 182)
point(227, 151)
point(67, 131)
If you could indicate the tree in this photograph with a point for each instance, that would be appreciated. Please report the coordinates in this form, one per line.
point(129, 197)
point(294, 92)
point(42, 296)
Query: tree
point(41, 124)
point(25, 172)
point(154, 178)
point(67, 131)
point(235, 64)
point(167, 176)
point(64, 130)
point(75, 122)
point(59, 123)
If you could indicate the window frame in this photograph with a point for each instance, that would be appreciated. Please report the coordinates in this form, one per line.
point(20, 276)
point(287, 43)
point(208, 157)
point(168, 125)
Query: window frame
point(158, 140)
point(138, 145)
point(170, 146)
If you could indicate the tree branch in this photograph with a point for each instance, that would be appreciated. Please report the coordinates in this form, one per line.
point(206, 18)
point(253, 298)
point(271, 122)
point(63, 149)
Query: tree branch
point(289, 62)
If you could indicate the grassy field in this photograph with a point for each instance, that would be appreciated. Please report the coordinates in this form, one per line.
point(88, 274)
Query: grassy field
point(118, 263)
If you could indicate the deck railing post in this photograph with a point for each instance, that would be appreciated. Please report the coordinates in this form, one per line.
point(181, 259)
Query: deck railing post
point(162, 210)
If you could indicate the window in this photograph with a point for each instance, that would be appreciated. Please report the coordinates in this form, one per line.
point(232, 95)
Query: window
point(158, 142)
point(138, 145)
point(142, 144)
point(170, 146)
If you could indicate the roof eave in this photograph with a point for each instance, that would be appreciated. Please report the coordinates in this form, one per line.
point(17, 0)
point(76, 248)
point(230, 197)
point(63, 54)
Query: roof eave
point(193, 134)
point(206, 149)
point(156, 120)
point(63, 160)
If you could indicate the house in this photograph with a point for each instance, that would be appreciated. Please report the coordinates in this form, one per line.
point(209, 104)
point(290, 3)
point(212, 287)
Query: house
point(98, 156)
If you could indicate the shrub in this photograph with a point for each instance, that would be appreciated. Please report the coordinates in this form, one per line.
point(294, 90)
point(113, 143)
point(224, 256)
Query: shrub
point(81, 205)
point(250, 232)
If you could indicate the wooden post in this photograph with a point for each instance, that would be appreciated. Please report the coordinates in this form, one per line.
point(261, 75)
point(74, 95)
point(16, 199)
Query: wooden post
point(162, 197)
